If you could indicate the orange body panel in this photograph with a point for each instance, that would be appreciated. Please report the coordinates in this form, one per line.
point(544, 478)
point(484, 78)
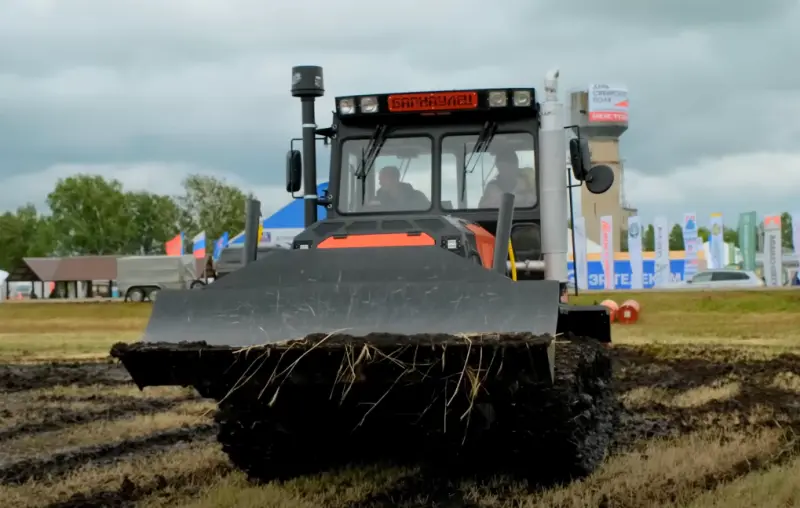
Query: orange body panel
point(485, 241)
point(378, 240)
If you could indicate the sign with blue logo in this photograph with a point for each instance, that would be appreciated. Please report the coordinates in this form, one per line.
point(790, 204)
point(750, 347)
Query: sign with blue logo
point(622, 273)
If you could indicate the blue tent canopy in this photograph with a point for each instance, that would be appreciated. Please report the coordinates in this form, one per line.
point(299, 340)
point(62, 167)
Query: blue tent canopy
point(291, 216)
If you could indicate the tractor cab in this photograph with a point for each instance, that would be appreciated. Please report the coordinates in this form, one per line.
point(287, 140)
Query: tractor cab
point(431, 153)
point(420, 162)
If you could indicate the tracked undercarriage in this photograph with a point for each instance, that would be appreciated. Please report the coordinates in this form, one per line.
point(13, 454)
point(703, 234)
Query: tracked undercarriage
point(472, 404)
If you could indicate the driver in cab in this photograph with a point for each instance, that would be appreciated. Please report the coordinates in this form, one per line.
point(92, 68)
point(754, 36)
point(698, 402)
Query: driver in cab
point(510, 178)
point(396, 195)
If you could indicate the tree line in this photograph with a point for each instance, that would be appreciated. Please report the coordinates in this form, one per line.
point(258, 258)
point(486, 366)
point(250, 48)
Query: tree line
point(729, 235)
point(93, 215)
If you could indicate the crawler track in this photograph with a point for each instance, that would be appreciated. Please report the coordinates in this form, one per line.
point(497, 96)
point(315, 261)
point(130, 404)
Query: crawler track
point(518, 417)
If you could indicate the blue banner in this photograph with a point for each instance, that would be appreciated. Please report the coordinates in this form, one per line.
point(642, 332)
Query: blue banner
point(622, 273)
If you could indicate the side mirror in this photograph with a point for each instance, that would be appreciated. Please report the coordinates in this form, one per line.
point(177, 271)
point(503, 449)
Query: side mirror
point(580, 158)
point(294, 171)
point(599, 179)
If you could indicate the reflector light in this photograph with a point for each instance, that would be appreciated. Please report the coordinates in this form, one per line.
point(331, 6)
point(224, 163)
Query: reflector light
point(347, 106)
point(438, 101)
point(522, 98)
point(368, 104)
point(498, 99)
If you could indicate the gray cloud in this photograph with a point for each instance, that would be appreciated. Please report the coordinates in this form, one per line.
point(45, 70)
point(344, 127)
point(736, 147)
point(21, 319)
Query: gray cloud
point(204, 84)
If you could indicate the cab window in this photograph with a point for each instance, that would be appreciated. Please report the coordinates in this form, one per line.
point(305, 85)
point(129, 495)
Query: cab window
point(399, 179)
point(473, 181)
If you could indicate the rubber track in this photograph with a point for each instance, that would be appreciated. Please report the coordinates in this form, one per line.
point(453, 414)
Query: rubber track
point(61, 463)
point(56, 418)
point(559, 433)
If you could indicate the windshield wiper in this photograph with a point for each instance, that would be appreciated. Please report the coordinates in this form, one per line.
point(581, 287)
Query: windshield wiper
point(481, 145)
point(368, 156)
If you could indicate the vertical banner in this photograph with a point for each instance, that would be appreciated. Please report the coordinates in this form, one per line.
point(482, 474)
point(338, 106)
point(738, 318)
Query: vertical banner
point(662, 272)
point(690, 245)
point(773, 254)
point(796, 233)
point(579, 257)
point(607, 252)
point(747, 240)
point(635, 252)
point(716, 242)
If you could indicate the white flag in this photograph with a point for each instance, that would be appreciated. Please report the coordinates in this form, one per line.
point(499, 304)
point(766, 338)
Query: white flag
point(716, 242)
point(607, 252)
point(635, 252)
point(580, 262)
point(662, 268)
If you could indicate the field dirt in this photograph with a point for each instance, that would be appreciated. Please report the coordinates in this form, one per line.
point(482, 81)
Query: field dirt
point(704, 424)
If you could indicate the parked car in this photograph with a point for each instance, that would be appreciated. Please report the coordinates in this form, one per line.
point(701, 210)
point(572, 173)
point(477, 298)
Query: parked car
point(724, 278)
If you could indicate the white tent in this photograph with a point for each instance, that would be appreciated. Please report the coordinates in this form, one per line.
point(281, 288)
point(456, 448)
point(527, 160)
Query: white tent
point(591, 247)
point(3, 277)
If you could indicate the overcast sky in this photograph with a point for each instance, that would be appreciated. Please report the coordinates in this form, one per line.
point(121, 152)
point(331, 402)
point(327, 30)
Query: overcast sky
point(148, 91)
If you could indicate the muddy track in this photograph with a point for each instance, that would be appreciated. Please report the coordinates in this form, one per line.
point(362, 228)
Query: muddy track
point(19, 377)
point(58, 418)
point(635, 368)
point(61, 463)
point(130, 493)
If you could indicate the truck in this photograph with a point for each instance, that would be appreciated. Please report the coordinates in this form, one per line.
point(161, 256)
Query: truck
point(141, 278)
point(230, 259)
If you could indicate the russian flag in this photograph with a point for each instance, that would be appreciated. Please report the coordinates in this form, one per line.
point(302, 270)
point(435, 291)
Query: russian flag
point(220, 244)
point(199, 245)
point(174, 247)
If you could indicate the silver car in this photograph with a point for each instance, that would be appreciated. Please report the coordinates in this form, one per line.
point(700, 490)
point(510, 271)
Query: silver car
point(725, 278)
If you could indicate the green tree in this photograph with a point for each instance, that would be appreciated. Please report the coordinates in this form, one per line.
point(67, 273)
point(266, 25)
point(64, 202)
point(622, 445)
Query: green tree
point(786, 230)
point(649, 239)
point(25, 233)
point(704, 233)
point(676, 238)
point(210, 204)
point(90, 214)
point(154, 220)
point(730, 235)
point(623, 241)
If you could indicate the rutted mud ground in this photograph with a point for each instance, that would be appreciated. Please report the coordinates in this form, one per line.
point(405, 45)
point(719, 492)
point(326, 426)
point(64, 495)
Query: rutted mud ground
point(83, 435)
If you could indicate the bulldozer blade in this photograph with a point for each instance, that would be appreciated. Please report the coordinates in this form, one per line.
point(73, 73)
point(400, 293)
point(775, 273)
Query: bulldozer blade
point(402, 291)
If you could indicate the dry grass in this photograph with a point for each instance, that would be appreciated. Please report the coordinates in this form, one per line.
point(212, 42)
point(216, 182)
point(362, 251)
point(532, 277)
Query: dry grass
point(716, 375)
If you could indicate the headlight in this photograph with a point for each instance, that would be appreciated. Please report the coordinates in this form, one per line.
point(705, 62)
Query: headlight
point(347, 106)
point(498, 99)
point(522, 98)
point(369, 104)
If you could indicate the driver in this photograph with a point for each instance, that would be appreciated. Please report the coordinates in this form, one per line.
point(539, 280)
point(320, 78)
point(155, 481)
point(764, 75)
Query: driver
point(510, 178)
point(396, 195)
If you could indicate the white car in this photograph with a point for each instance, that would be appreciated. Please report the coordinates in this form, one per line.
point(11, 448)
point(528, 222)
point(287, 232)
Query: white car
point(725, 278)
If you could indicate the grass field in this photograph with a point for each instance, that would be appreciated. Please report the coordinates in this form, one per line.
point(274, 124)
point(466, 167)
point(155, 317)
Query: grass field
point(710, 383)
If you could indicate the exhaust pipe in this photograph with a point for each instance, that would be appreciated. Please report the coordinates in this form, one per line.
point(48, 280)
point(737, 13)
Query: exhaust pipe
point(307, 83)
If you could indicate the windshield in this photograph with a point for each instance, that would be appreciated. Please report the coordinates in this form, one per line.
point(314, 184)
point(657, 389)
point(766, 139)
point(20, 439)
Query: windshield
point(398, 179)
point(506, 164)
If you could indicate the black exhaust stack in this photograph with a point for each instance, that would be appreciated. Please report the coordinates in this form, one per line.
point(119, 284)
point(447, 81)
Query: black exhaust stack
point(307, 84)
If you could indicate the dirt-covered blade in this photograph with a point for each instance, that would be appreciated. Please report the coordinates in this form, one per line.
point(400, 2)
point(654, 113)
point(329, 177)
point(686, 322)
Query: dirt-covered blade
point(291, 294)
point(243, 317)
